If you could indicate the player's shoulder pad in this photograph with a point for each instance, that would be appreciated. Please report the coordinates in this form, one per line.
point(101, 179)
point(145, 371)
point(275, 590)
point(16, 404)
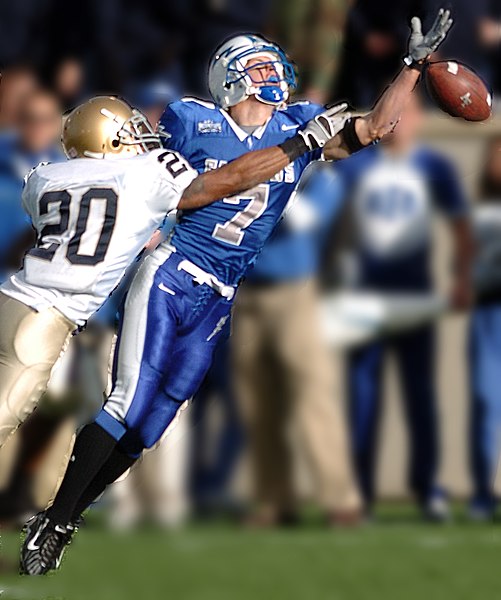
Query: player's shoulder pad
point(300, 112)
point(34, 170)
point(180, 117)
point(191, 108)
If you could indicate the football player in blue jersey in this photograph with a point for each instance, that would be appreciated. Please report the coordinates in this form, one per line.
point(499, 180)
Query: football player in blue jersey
point(181, 297)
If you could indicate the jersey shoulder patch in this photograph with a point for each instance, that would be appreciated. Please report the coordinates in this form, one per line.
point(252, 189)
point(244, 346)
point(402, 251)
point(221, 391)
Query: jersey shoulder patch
point(185, 119)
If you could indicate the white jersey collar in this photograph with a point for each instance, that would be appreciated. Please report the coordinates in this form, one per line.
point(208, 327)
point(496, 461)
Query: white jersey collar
point(239, 132)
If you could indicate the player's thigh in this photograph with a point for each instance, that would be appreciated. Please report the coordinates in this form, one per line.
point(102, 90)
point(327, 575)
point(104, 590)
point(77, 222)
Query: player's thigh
point(30, 344)
point(144, 347)
point(193, 351)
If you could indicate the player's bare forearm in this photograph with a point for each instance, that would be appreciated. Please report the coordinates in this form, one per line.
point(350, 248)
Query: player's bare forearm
point(237, 176)
point(382, 118)
point(386, 113)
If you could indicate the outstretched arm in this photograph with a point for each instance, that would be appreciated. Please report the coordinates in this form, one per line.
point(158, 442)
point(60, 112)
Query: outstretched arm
point(256, 167)
point(386, 113)
point(237, 176)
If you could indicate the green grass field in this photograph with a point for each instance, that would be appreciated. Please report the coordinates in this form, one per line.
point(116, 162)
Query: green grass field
point(396, 558)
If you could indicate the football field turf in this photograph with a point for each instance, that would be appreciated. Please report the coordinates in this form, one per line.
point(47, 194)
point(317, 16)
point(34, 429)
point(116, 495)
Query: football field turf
point(397, 558)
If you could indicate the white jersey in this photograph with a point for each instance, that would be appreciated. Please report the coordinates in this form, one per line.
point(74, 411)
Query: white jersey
point(93, 217)
point(393, 208)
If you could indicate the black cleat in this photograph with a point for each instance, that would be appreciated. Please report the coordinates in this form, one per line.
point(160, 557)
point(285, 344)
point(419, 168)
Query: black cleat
point(44, 545)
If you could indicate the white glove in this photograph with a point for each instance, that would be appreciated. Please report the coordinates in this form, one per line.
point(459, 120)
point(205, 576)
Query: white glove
point(324, 126)
point(421, 46)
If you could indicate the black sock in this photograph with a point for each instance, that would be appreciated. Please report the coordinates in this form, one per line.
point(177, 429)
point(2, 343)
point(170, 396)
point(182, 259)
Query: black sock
point(116, 465)
point(92, 449)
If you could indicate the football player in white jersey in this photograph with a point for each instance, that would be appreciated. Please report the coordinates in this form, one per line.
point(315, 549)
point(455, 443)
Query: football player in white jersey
point(92, 218)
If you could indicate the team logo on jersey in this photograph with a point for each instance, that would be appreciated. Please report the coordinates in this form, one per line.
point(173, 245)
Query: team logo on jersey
point(209, 126)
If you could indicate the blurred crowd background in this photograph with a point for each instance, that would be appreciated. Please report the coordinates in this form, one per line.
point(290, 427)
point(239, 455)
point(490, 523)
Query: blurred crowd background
point(393, 254)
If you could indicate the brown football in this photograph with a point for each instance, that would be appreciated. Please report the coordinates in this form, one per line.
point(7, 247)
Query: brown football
point(458, 90)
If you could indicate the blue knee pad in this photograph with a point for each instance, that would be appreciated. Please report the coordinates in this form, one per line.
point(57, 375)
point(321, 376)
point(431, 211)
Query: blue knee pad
point(146, 432)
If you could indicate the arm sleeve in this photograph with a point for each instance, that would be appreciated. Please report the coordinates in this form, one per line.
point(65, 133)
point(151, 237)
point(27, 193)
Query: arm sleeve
point(26, 196)
point(174, 175)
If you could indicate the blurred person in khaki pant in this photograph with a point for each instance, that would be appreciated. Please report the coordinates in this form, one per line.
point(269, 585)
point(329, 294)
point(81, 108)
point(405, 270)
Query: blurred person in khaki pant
point(283, 370)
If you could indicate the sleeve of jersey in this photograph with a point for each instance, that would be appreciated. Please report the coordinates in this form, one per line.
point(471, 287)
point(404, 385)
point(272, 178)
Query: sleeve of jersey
point(175, 176)
point(26, 196)
point(173, 125)
point(449, 193)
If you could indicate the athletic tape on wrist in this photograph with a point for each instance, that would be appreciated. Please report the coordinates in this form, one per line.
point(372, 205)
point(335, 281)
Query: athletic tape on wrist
point(295, 147)
point(350, 136)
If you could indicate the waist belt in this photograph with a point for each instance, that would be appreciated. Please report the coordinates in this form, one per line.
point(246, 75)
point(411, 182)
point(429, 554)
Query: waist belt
point(202, 277)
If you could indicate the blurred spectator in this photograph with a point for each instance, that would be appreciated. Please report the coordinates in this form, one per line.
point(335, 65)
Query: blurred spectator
point(156, 488)
point(213, 21)
point(69, 82)
point(152, 97)
point(39, 123)
point(16, 83)
point(375, 42)
point(312, 31)
point(393, 188)
point(38, 119)
point(216, 447)
point(23, 32)
point(485, 340)
point(39, 131)
point(283, 371)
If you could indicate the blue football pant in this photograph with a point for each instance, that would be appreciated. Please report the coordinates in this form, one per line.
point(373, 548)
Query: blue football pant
point(166, 341)
point(415, 357)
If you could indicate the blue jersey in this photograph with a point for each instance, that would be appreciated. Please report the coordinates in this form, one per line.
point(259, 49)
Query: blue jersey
point(392, 198)
point(224, 237)
point(14, 165)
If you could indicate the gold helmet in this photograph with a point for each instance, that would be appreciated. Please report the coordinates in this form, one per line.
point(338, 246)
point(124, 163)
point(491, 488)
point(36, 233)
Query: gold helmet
point(107, 127)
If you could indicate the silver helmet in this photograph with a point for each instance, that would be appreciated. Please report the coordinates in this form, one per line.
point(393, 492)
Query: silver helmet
point(230, 81)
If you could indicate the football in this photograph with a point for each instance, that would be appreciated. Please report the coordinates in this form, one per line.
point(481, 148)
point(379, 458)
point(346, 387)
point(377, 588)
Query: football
point(458, 90)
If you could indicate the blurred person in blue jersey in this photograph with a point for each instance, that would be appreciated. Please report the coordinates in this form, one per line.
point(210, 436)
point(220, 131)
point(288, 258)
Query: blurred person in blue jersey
point(283, 366)
point(182, 296)
point(36, 134)
point(485, 340)
point(16, 83)
point(35, 139)
point(393, 190)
